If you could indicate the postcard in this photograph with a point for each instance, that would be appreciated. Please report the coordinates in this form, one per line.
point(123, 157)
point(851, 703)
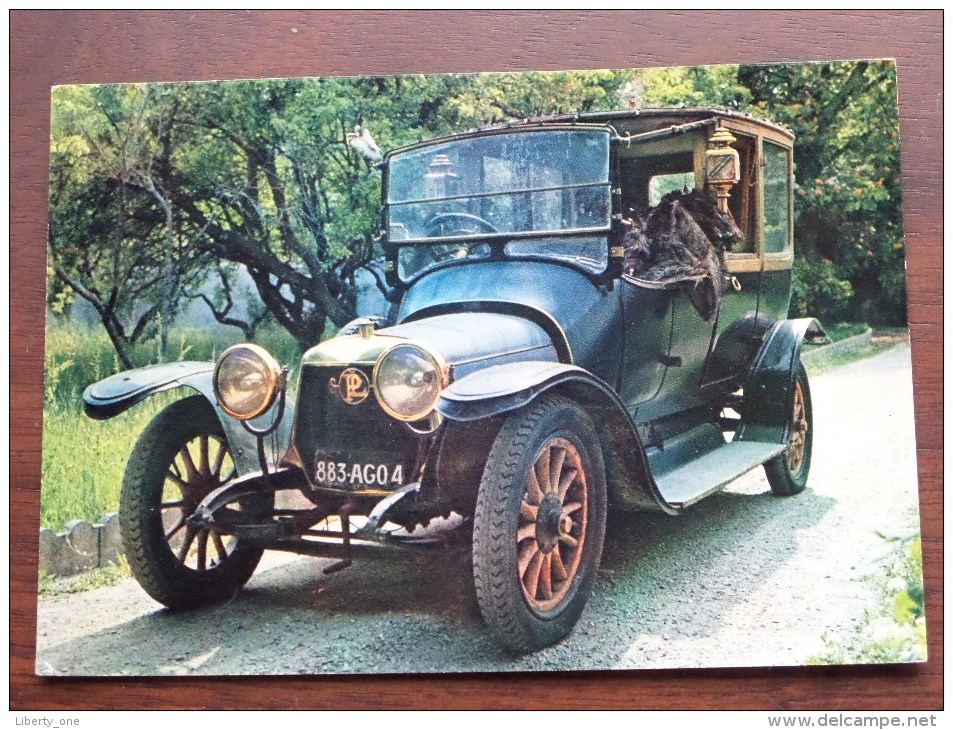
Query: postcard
point(493, 372)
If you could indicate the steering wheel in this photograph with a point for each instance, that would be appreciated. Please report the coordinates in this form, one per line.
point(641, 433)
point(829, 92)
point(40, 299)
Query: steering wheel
point(465, 224)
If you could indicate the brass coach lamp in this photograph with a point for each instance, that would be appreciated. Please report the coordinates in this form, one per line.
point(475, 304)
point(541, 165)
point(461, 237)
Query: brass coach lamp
point(722, 166)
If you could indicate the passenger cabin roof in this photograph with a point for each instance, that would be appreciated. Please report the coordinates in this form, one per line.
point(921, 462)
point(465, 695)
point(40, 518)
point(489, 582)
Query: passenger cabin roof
point(638, 121)
point(629, 122)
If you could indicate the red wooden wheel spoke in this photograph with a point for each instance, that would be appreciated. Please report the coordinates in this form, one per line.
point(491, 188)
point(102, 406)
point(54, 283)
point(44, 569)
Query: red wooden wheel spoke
point(190, 533)
point(531, 579)
point(526, 532)
point(219, 546)
point(546, 577)
point(202, 548)
point(203, 456)
point(528, 511)
point(568, 477)
point(569, 540)
point(170, 505)
point(527, 552)
point(799, 426)
point(534, 490)
point(190, 468)
point(177, 480)
point(175, 528)
point(556, 461)
point(542, 471)
point(570, 507)
point(559, 570)
point(219, 459)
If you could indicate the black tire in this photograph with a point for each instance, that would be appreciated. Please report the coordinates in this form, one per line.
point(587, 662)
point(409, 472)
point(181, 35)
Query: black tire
point(181, 457)
point(536, 549)
point(787, 473)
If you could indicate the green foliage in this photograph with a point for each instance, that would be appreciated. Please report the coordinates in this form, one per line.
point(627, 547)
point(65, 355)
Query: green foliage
point(493, 98)
point(842, 330)
point(84, 460)
point(702, 86)
point(154, 188)
point(896, 630)
point(817, 288)
point(848, 226)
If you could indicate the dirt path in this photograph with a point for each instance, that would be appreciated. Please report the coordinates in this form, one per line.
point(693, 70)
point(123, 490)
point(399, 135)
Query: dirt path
point(743, 578)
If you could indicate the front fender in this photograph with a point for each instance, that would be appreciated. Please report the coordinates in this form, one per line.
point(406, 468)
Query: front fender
point(769, 386)
point(503, 388)
point(120, 392)
point(498, 390)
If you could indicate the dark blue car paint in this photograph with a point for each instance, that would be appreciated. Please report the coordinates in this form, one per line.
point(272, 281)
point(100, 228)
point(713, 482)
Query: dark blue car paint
point(584, 319)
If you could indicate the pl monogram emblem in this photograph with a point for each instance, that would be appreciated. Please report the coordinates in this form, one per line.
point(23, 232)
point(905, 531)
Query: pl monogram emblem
point(352, 386)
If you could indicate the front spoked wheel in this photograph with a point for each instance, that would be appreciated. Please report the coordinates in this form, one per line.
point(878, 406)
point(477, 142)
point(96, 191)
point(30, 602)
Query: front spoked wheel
point(181, 457)
point(539, 524)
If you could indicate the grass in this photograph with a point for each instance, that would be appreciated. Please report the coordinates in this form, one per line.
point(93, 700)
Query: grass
point(881, 341)
point(109, 575)
point(828, 361)
point(843, 330)
point(83, 459)
point(895, 630)
point(77, 356)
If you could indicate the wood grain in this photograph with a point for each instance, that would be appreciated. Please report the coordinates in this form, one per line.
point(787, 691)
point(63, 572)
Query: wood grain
point(49, 48)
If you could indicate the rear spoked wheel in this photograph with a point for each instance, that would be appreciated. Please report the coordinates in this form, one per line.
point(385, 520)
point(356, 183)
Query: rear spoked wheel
point(787, 473)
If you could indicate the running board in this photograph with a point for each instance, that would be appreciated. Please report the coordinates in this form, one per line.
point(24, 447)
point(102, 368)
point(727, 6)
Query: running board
point(701, 477)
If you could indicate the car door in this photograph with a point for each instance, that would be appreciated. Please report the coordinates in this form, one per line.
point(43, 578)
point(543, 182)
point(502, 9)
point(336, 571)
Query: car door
point(668, 340)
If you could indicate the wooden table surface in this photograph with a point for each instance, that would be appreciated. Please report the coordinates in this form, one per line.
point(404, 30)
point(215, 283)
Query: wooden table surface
point(57, 47)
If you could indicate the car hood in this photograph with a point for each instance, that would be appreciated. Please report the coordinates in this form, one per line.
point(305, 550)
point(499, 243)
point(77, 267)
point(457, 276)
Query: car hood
point(468, 341)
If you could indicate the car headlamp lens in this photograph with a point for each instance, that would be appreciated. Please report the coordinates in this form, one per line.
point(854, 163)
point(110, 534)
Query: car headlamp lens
point(408, 380)
point(247, 380)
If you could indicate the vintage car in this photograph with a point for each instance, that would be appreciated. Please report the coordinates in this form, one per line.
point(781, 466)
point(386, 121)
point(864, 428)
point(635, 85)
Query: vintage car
point(589, 314)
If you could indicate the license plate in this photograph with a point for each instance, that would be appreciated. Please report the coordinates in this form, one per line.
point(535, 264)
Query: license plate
point(358, 475)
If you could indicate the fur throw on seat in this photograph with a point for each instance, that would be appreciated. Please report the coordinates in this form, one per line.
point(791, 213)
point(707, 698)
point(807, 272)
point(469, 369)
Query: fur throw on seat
point(679, 243)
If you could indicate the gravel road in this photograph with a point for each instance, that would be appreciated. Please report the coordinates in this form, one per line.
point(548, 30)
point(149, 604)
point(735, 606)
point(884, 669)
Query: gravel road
point(741, 579)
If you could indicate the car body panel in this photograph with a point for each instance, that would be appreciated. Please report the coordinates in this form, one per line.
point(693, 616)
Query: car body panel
point(575, 310)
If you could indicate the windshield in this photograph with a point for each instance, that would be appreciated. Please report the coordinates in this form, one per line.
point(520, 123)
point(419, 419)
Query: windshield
point(513, 183)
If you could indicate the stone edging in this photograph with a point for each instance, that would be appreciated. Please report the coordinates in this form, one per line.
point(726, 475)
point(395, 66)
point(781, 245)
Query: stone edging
point(861, 340)
point(81, 547)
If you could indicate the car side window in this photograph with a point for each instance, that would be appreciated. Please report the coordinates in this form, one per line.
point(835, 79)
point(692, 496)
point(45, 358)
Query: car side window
point(777, 182)
point(662, 185)
point(741, 203)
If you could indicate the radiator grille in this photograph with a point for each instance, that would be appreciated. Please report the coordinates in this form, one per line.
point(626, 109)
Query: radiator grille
point(328, 429)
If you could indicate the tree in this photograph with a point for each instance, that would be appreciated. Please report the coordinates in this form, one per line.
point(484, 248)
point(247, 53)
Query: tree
point(498, 97)
point(848, 224)
point(112, 234)
point(254, 175)
point(276, 189)
point(167, 192)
